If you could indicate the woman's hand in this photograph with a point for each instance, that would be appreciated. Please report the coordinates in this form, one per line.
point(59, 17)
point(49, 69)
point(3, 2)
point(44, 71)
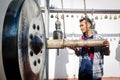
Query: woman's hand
point(107, 46)
point(73, 48)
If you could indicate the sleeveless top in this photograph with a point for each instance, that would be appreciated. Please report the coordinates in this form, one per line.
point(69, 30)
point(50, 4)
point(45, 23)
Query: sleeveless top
point(92, 59)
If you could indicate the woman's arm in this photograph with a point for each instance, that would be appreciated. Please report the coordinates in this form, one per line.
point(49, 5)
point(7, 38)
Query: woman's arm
point(106, 48)
point(76, 50)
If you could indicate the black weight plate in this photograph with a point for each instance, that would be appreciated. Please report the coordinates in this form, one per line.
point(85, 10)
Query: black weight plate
point(9, 41)
point(23, 42)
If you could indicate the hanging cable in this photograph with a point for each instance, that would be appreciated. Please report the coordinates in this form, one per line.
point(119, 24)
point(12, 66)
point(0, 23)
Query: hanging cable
point(93, 23)
point(63, 19)
point(85, 11)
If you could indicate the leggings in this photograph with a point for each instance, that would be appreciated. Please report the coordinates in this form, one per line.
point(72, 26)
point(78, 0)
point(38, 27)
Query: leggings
point(86, 76)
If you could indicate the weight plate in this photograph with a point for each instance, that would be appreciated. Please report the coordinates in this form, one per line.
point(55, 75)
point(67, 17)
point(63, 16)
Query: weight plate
point(23, 41)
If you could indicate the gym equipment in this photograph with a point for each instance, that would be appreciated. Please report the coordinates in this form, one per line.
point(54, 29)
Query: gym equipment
point(24, 42)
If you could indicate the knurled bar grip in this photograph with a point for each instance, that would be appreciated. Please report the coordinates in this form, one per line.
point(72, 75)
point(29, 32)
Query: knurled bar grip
point(59, 44)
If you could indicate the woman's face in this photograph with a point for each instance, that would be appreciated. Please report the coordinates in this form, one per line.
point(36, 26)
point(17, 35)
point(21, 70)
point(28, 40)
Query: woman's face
point(84, 26)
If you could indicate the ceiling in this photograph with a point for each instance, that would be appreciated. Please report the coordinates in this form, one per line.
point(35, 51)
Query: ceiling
point(90, 4)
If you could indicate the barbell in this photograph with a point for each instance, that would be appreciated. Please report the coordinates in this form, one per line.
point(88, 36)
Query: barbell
point(24, 42)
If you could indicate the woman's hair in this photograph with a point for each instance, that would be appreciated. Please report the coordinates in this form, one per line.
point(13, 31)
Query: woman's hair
point(87, 19)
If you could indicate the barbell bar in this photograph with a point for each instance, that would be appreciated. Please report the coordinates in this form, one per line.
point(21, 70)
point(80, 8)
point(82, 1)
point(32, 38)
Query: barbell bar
point(61, 43)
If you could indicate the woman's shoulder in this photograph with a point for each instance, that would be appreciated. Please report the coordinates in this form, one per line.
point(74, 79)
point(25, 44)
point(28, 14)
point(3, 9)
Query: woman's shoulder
point(98, 36)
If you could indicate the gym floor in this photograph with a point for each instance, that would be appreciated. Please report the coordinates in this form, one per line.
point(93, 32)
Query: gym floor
point(105, 78)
